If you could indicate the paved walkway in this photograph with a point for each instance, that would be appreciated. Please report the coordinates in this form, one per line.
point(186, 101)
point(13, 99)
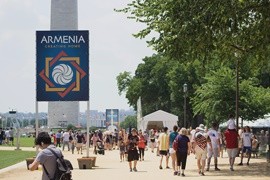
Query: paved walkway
point(110, 167)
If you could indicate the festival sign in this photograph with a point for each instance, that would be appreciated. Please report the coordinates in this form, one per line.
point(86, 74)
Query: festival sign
point(62, 65)
point(112, 119)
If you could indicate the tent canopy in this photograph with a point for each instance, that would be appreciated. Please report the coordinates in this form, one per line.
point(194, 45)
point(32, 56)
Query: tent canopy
point(158, 120)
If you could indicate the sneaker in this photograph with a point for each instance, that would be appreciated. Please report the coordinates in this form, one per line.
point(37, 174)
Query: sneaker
point(202, 174)
point(167, 167)
point(240, 164)
point(248, 163)
point(130, 170)
point(231, 169)
point(160, 167)
point(178, 174)
point(175, 173)
point(183, 174)
point(217, 169)
point(134, 169)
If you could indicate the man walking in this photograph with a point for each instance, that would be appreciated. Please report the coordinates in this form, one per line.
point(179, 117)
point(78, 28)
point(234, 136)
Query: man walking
point(199, 144)
point(231, 138)
point(163, 143)
point(66, 140)
point(172, 152)
point(214, 151)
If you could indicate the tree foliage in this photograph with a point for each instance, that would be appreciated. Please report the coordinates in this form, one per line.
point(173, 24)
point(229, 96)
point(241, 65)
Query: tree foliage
point(200, 43)
point(129, 122)
point(187, 30)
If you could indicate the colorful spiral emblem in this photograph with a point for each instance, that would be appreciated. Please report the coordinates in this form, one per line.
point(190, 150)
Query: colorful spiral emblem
point(62, 74)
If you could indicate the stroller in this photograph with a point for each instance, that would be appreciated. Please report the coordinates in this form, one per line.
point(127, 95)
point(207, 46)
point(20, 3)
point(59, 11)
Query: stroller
point(100, 148)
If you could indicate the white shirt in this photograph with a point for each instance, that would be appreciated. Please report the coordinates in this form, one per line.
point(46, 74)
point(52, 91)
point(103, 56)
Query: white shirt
point(7, 133)
point(66, 136)
point(246, 136)
point(231, 124)
point(214, 136)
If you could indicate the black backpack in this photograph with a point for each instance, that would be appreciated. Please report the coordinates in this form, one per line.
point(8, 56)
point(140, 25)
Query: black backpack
point(63, 168)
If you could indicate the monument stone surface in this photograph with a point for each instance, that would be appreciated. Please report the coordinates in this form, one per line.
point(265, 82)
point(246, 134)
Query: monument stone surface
point(64, 16)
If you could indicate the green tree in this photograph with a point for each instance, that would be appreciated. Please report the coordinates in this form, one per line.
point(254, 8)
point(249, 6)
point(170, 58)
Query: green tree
point(188, 30)
point(196, 38)
point(129, 122)
point(150, 82)
point(215, 99)
point(70, 127)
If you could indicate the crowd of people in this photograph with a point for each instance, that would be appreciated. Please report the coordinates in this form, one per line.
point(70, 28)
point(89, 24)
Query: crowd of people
point(173, 147)
point(7, 136)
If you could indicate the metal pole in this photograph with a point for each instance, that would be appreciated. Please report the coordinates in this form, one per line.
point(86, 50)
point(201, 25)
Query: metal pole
point(2, 118)
point(185, 104)
point(88, 124)
point(237, 94)
point(185, 110)
point(36, 117)
point(268, 144)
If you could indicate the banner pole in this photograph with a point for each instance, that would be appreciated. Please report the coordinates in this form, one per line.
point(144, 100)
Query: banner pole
point(36, 118)
point(87, 129)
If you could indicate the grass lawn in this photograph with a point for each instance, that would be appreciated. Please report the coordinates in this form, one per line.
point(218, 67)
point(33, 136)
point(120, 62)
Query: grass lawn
point(24, 142)
point(9, 158)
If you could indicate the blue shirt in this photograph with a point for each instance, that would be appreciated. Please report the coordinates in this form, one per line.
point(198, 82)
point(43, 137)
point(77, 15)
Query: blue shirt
point(182, 143)
point(172, 138)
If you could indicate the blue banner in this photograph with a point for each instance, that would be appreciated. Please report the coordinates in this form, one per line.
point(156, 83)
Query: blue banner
point(112, 119)
point(62, 65)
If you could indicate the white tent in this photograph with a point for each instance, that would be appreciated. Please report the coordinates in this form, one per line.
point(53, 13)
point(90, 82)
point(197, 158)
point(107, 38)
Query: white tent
point(158, 120)
point(259, 123)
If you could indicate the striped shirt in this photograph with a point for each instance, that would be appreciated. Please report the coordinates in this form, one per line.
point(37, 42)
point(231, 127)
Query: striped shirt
point(201, 140)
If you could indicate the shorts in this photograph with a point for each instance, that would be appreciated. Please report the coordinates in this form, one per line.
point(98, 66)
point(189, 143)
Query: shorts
point(232, 152)
point(162, 152)
point(214, 152)
point(79, 145)
point(200, 153)
point(246, 149)
point(133, 155)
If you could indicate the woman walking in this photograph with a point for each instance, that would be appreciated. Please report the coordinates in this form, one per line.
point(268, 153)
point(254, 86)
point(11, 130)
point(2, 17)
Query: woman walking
point(182, 151)
point(141, 146)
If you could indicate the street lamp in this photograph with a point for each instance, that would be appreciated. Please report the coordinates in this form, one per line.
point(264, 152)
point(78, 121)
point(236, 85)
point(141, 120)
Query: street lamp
point(237, 92)
point(1, 122)
point(185, 104)
point(13, 112)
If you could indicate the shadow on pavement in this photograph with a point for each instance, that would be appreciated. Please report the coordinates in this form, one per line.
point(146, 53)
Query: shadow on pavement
point(254, 169)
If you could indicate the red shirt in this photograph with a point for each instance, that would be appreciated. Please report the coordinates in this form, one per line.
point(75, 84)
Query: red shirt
point(141, 142)
point(231, 137)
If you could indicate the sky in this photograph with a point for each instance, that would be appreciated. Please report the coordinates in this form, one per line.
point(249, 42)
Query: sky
point(113, 50)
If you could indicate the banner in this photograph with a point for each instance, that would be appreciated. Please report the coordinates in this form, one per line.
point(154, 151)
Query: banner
point(62, 65)
point(112, 119)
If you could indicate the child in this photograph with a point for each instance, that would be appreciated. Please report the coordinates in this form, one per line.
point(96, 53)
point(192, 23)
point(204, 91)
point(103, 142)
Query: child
point(122, 149)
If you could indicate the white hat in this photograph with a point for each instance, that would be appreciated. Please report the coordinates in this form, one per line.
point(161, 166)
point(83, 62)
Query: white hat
point(231, 124)
point(199, 128)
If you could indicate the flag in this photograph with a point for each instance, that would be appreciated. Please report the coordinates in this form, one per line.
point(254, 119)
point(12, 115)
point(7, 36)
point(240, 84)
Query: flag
point(139, 113)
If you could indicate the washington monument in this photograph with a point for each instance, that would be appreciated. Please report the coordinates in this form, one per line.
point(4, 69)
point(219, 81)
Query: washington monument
point(64, 16)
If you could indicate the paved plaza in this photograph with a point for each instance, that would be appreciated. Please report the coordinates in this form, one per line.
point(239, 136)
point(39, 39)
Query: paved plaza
point(110, 167)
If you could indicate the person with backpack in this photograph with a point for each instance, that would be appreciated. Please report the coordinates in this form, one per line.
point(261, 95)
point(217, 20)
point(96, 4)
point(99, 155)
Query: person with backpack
point(172, 152)
point(47, 157)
